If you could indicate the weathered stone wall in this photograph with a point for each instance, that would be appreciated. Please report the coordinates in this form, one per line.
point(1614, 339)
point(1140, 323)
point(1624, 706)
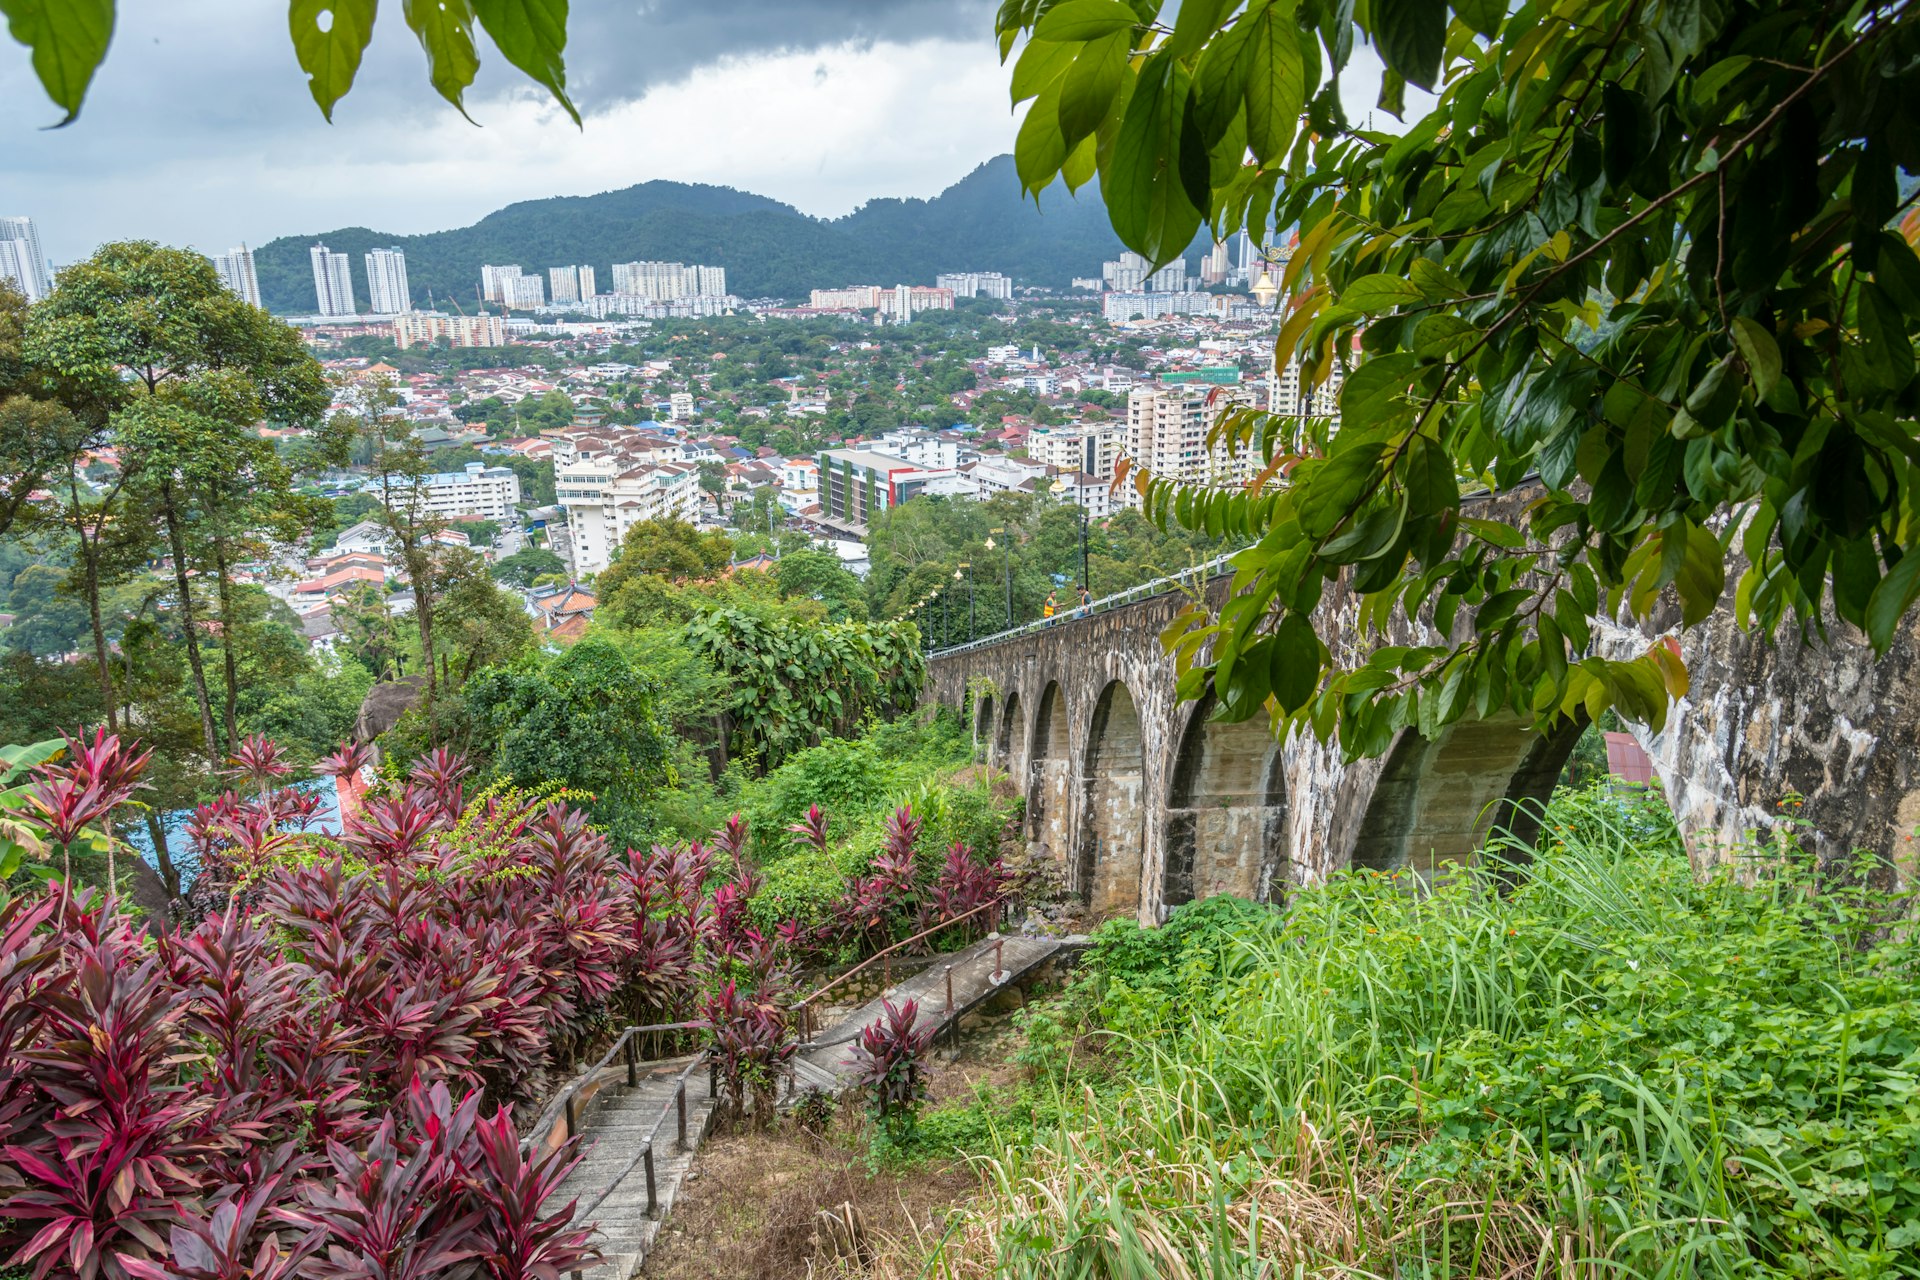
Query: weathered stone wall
point(1143, 807)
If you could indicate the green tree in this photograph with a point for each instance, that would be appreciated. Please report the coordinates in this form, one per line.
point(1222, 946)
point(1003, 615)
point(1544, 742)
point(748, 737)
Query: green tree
point(182, 371)
point(523, 566)
point(1643, 253)
point(480, 624)
point(400, 467)
point(586, 719)
point(671, 549)
point(819, 575)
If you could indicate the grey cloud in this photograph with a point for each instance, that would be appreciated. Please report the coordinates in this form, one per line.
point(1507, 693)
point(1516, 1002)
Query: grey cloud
point(616, 52)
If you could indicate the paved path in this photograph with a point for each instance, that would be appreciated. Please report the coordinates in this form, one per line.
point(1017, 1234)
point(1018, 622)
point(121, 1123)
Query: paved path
point(621, 1119)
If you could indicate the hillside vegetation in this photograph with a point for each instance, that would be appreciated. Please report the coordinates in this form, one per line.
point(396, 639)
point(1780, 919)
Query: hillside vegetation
point(769, 249)
point(1615, 1070)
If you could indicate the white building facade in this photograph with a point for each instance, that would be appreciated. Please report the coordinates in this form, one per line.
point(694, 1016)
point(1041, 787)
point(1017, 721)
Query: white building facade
point(332, 281)
point(479, 491)
point(235, 269)
point(21, 259)
point(387, 290)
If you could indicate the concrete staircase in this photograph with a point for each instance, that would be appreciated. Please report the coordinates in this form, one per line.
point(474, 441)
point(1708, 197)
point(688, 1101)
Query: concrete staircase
point(619, 1126)
point(621, 1121)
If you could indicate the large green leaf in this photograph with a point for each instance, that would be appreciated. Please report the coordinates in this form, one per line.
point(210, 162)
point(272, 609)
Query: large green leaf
point(1412, 34)
point(1085, 20)
point(1091, 84)
point(445, 30)
point(68, 39)
point(1295, 666)
point(330, 55)
point(532, 35)
point(1145, 197)
point(1275, 80)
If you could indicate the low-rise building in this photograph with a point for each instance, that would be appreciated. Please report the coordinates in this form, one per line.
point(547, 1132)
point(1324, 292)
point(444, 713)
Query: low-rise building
point(479, 491)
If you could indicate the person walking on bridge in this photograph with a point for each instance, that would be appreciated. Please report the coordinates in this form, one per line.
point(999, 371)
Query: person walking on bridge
point(1086, 600)
point(1047, 609)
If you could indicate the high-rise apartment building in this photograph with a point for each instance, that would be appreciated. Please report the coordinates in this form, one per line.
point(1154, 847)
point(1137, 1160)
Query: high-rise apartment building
point(587, 286)
point(524, 293)
point(1132, 273)
point(235, 269)
point(1213, 270)
point(563, 284)
point(1167, 434)
point(496, 283)
point(387, 282)
point(668, 281)
point(423, 328)
point(332, 282)
point(21, 258)
point(975, 284)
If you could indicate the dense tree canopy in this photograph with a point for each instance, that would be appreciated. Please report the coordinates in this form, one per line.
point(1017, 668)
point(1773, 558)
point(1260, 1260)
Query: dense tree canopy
point(1641, 254)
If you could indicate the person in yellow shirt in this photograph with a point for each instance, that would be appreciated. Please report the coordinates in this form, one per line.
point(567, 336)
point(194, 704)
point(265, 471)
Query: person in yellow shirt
point(1046, 610)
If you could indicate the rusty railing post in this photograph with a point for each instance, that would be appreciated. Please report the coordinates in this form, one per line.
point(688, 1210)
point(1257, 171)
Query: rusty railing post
point(680, 1101)
point(633, 1065)
point(573, 1127)
point(653, 1196)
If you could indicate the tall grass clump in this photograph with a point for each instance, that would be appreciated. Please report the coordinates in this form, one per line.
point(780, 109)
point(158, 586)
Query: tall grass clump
point(1579, 1060)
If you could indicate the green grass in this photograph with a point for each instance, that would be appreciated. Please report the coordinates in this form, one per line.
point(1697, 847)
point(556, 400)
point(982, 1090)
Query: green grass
point(1614, 1070)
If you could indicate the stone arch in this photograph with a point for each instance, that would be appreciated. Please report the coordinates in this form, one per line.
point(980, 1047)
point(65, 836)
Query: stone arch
point(1437, 799)
point(1049, 776)
point(1107, 870)
point(1226, 810)
point(1049, 741)
point(1007, 741)
point(983, 721)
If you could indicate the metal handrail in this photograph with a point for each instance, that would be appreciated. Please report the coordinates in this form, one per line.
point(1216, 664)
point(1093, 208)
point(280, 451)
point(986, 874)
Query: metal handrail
point(566, 1096)
point(1132, 595)
point(805, 1004)
point(1119, 599)
point(678, 1102)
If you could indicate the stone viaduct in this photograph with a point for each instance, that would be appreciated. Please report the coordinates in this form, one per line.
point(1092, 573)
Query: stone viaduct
point(1143, 802)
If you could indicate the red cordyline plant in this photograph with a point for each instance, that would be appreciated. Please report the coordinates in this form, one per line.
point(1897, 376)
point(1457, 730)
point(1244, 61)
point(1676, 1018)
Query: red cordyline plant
point(965, 884)
point(84, 789)
point(352, 757)
point(260, 760)
point(873, 904)
point(812, 829)
point(888, 1058)
point(438, 774)
point(292, 1084)
point(105, 1152)
point(752, 1047)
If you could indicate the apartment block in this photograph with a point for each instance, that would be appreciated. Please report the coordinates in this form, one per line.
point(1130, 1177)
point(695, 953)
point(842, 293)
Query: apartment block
point(611, 481)
point(479, 491)
point(424, 328)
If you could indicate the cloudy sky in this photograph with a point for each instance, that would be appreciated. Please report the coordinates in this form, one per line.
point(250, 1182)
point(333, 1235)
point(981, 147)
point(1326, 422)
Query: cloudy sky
point(199, 129)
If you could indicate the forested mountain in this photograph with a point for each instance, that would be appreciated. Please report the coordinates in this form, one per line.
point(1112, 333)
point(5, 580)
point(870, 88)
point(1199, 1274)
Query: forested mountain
point(768, 248)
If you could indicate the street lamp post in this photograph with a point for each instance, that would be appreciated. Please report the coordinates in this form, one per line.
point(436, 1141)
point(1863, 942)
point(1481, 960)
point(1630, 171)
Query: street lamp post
point(1086, 578)
point(1009, 542)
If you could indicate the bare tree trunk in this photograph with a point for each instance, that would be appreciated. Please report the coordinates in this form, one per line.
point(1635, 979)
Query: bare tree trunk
point(177, 542)
point(227, 643)
point(90, 567)
point(157, 832)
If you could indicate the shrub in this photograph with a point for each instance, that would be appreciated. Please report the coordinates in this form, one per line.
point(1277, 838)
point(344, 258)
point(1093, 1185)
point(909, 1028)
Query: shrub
point(888, 1059)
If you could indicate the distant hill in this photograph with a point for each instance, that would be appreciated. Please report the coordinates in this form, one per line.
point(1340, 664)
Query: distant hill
point(769, 249)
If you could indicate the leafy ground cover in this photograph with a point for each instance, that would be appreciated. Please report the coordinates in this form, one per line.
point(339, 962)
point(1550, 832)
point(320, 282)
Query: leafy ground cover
point(1615, 1069)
